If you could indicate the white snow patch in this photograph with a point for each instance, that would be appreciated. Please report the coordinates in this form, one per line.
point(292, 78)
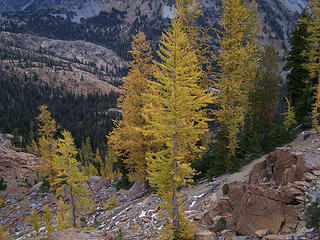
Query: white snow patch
point(192, 204)
point(295, 5)
point(196, 198)
point(167, 12)
point(199, 196)
point(143, 213)
point(120, 213)
point(154, 215)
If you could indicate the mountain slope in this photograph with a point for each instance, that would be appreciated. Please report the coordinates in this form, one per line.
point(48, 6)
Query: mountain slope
point(78, 66)
point(111, 23)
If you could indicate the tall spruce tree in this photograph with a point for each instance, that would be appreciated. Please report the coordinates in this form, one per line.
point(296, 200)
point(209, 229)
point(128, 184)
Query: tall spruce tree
point(175, 120)
point(270, 84)
point(127, 142)
point(299, 82)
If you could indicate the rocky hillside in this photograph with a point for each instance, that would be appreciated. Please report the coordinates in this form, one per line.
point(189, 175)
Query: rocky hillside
point(77, 66)
point(111, 23)
point(274, 198)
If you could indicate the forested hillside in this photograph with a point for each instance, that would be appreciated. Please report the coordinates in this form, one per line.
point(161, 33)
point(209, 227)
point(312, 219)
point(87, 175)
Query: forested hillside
point(89, 115)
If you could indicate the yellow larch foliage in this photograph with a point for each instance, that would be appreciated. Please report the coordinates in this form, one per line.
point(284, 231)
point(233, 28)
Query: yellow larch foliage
point(175, 121)
point(69, 178)
point(316, 110)
point(4, 235)
point(47, 143)
point(34, 220)
point(126, 141)
point(186, 13)
point(63, 216)
point(313, 54)
point(289, 120)
point(106, 169)
point(47, 218)
point(237, 66)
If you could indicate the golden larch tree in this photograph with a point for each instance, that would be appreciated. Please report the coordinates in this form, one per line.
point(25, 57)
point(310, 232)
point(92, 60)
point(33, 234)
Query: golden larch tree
point(126, 141)
point(47, 142)
point(237, 66)
point(69, 178)
point(63, 216)
point(47, 218)
point(175, 121)
point(186, 13)
point(313, 54)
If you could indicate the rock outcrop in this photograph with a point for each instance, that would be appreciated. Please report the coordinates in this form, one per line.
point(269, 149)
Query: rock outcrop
point(5, 140)
point(274, 199)
point(18, 165)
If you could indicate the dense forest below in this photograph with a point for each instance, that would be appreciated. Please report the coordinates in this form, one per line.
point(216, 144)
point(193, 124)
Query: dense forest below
point(84, 115)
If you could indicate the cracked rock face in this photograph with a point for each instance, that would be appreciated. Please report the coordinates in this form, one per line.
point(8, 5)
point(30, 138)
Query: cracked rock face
point(17, 165)
point(275, 197)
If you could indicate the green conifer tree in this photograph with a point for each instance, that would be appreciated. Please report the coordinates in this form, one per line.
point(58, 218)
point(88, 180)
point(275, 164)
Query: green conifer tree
point(300, 84)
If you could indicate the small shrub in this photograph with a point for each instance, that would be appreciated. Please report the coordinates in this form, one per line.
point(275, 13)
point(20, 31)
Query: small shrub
point(306, 136)
point(313, 216)
point(47, 218)
point(34, 220)
point(220, 225)
point(4, 235)
point(2, 202)
point(112, 203)
point(119, 235)
point(3, 186)
point(45, 186)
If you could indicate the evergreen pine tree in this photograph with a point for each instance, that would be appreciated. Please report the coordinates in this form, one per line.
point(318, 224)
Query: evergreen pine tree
point(269, 86)
point(299, 82)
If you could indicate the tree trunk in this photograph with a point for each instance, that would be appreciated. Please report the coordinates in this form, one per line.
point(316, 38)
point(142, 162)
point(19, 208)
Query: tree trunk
point(175, 203)
point(73, 209)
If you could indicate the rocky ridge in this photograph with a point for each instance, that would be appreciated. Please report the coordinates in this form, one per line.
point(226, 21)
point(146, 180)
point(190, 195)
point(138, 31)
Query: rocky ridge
point(78, 66)
point(111, 23)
